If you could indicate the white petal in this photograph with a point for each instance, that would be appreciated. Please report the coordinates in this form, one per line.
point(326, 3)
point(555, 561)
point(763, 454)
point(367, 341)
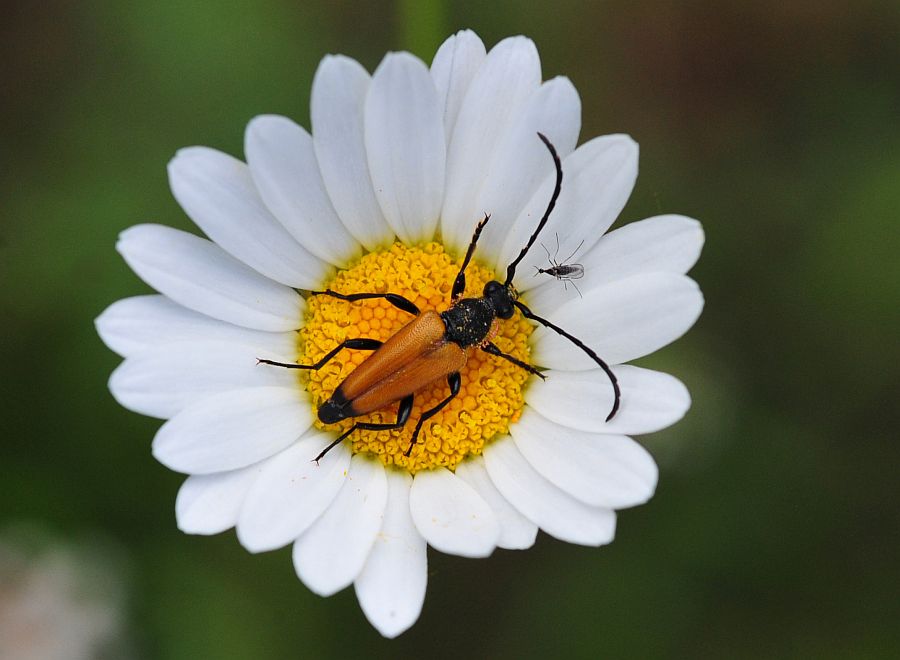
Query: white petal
point(651, 400)
point(198, 274)
point(516, 531)
point(620, 321)
point(163, 380)
point(451, 515)
point(454, 66)
point(217, 192)
point(332, 552)
point(391, 587)
point(497, 93)
point(210, 503)
point(598, 178)
point(553, 510)
point(291, 492)
point(405, 146)
point(131, 325)
point(521, 161)
point(232, 430)
point(600, 470)
point(336, 109)
point(662, 244)
point(286, 173)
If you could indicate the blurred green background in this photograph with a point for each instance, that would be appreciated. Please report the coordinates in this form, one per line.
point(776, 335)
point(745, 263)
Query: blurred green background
point(777, 123)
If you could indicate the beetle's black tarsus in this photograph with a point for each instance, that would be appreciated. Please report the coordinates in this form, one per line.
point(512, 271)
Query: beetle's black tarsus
point(334, 444)
point(403, 412)
point(459, 284)
point(395, 299)
point(494, 350)
point(511, 269)
point(454, 381)
point(361, 344)
point(528, 314)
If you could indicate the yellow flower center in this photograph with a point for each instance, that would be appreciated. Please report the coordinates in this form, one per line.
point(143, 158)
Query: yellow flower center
point(490, 397)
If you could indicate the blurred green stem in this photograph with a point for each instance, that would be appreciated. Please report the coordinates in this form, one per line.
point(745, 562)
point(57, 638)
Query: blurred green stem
point(422, 26)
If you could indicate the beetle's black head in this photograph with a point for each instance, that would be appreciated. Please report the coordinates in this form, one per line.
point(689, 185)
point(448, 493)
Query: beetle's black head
point(501, 298)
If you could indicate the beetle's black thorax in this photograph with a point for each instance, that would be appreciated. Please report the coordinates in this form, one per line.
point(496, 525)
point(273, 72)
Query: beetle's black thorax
point(469, 321)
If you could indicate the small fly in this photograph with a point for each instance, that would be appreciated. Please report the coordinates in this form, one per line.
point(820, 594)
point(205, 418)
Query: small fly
point(563, 271)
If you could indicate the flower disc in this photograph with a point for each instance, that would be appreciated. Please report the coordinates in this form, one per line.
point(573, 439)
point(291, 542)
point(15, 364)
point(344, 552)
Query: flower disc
point(491, 394)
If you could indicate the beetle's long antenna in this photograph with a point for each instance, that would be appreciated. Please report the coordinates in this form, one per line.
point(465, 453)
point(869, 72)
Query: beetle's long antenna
point(511, 269)
point(459, 284)
point(528, 314)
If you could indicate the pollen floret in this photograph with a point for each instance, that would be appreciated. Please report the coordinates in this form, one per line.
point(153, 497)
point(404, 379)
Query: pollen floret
point(490, 398)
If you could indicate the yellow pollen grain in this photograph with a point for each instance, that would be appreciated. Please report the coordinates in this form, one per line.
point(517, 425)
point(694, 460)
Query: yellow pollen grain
point(490, 397)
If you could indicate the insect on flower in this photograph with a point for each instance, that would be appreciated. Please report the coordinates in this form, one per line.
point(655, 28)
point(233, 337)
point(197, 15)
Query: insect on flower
point(307, 241)
point(434, 345)
point(562, 271)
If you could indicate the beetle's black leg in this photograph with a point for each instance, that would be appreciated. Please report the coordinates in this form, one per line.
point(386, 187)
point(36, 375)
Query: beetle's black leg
point(406, 405)
point(453, 380)
point(459, 284)
point(493, 350)
point(334, 444)
point(528, 314)
point(358, 344)
point(395, 299)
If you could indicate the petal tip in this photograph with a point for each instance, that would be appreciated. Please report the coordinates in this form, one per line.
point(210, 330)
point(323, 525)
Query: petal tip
point(252, 545)
point(130, 233)
point(335, 61)
point(468, 33)
point(256, 125)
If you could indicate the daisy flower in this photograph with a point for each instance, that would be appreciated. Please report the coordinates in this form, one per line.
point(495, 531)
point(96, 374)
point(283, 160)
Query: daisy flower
point(383, 196)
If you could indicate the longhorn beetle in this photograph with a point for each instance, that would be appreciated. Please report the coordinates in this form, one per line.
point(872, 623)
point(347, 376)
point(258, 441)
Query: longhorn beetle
point(433, 345)
point(562, 271)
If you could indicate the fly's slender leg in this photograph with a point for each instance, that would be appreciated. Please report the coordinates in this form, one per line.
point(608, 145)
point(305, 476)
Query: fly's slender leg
point(459, 284)
point(453, 380)
point(493, 350)
point(406, 405)
point(528, 314)
point(358, 344)
point(395, 299)
point(566, 260)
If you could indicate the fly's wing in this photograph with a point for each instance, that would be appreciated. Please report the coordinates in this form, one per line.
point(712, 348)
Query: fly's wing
point(436, 363)
point(414, 339)
point(574, 271)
